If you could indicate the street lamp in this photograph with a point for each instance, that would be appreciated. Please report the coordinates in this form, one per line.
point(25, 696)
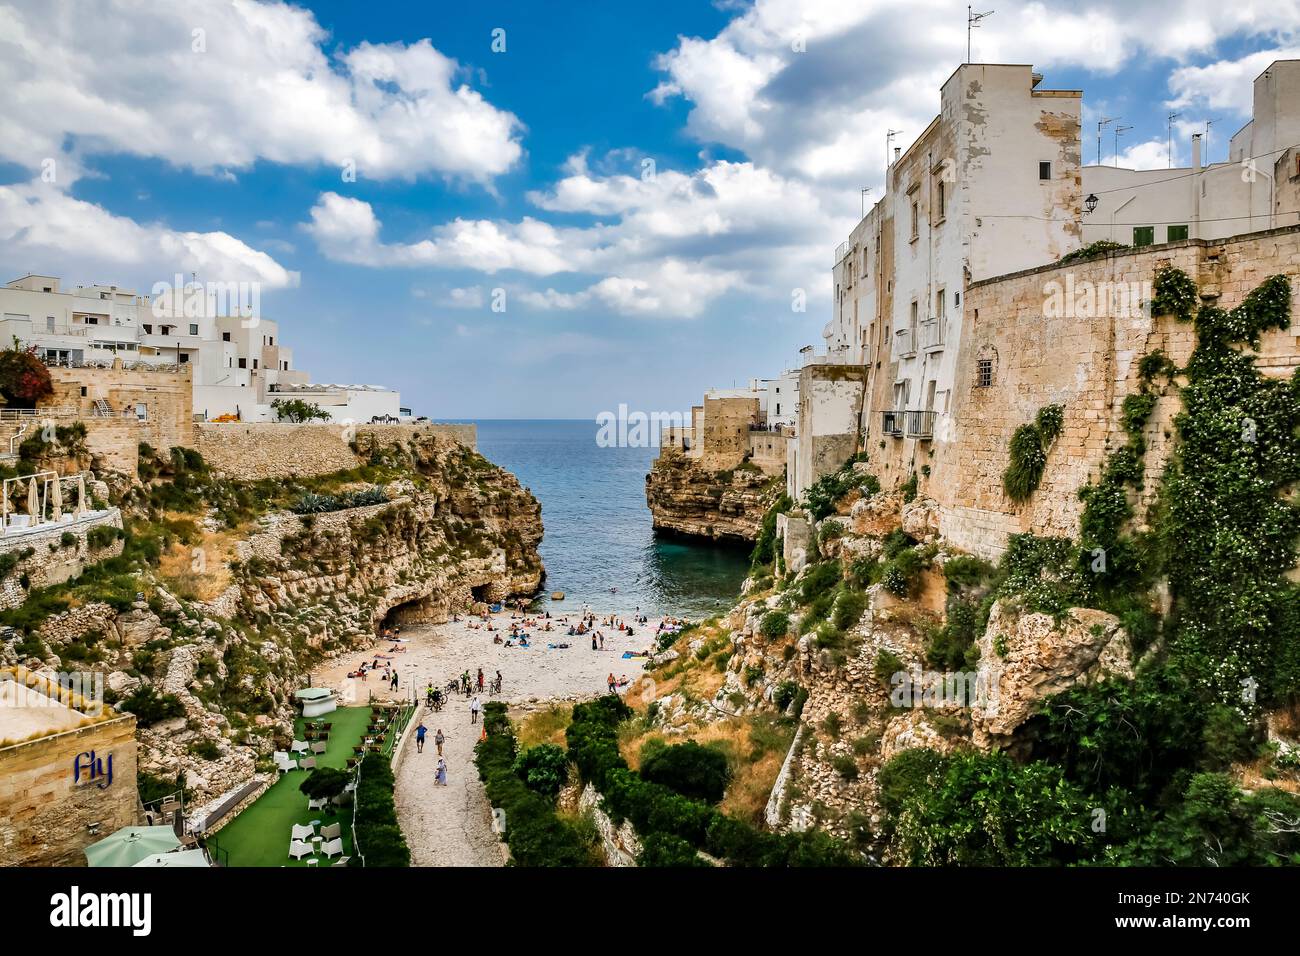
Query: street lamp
point(1090, 204)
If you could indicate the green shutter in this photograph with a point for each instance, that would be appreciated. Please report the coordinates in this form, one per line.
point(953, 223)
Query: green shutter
point(1177, 233)
point(1144, 235)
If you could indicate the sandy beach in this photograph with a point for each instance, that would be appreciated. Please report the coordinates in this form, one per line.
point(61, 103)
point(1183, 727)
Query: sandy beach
point(451, 825)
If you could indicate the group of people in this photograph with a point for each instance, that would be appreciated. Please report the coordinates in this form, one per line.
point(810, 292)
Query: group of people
point(439, 738)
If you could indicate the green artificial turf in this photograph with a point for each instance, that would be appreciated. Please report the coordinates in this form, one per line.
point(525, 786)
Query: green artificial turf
point(259, 836)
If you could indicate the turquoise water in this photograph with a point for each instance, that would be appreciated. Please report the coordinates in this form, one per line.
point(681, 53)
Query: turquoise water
point(598, 532)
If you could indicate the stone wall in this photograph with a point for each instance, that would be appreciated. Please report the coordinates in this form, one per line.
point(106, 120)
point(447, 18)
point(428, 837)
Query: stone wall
point(45, 818)
point(1088, 363)
point(165, 393)
point(767, 451)
point(52, 561)
point(280, 450)
point(726, 431)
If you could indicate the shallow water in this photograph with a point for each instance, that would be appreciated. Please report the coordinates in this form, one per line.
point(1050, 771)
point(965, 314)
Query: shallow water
point(598, 533)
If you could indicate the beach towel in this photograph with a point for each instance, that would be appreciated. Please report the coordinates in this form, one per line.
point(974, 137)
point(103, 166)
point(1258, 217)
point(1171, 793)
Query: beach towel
point(629, 654)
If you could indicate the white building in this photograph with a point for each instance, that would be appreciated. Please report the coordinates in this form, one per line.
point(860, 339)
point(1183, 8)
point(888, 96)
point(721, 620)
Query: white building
point(991, 186)
point(1257, 188)
point(782, 399)
point(239, 365)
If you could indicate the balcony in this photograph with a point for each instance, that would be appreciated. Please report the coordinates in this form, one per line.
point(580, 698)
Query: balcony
point(904, 344)
point(920, 424)
point(891, 423)
point(932, 335)
point(841, 251)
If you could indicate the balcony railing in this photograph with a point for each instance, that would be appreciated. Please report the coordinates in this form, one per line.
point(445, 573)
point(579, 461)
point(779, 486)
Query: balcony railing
point(920, 424)
point(932, 334)
point(891, 423)
point(841, 251)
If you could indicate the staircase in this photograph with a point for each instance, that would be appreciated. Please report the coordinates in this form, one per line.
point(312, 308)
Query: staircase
point(103, 409)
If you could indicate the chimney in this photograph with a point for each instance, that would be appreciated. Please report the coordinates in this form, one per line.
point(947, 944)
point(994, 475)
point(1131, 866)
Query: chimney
point(897, 151)
point(1196, 151)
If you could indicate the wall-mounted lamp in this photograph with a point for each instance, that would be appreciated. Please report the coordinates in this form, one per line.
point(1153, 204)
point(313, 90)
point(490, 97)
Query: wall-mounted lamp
point(1091, 202)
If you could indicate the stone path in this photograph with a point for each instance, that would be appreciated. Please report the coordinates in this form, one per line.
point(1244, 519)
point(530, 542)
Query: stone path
point(451, 825)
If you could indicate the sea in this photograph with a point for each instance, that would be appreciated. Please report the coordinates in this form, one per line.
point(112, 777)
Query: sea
point(598, 545)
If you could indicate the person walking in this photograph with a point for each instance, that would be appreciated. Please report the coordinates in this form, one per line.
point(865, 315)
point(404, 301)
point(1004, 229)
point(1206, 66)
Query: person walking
point(439, 740)
point(419, 737)
point(480, 680)
point(440, 779)
point(394, 680)
point(474, 708)
point(611, 682)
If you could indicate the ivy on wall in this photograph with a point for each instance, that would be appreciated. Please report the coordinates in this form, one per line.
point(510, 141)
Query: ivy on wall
point(1028, 452)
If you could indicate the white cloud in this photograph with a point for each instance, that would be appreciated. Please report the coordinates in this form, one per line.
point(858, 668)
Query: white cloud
point(466, 298)
point(41, 224)
point(1226, 84)
point(670, 288)
point(123, 76)
point(1153, 154)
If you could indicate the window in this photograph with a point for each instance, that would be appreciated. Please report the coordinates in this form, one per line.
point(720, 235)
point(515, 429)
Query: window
point(1144, 235)
point(141, 412)
point(148, 329)
point(83, 391)
point(91, 320)
point(284, 366)
point(1044, 170)
point(940, 300)
point(940, 198)
point(778, 408)
point(49, 323)
point(956, 298)
point(243, 363)
point(1177, 233)
point(984, 373)
point(254, 363)
point(225, 336)
point(194, 328)
point(916, 219)
point(183, 357)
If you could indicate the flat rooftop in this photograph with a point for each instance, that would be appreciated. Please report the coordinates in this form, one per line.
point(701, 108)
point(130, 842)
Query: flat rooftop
point(29, 713)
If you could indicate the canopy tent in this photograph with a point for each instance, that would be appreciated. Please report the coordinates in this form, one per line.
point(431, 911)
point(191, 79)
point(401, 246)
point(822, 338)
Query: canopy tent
point(179, 858)
point(130, 845)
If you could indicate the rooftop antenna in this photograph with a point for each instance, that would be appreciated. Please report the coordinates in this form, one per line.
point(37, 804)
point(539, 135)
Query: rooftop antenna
point(1169, 139)
point(1102, 124)
point(973, 21)
point(1118, 131)
point(889, 141)
point(862, 194)
point(1208, 124)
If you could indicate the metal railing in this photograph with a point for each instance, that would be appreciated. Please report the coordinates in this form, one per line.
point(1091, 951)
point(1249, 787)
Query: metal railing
point(841, 251)
point(26, 414)
point(891, 423)
point(920, 424)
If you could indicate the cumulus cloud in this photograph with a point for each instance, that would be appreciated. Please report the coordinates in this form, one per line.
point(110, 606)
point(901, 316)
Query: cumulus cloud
point(217, 85)
point(1225, 84)
point(39, 223)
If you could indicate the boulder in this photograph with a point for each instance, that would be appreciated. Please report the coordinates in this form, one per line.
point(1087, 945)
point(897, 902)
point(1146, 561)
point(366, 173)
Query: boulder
point(921, 519)
point(1027, 657)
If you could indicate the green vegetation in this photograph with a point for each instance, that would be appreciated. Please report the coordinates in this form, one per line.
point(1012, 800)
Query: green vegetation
point(688, 768)
point(1093, 250)
point(765, 544)
point(24, 379)
point(297, 410)
point(1028, 452)
point(820, 499)
point(379, 838)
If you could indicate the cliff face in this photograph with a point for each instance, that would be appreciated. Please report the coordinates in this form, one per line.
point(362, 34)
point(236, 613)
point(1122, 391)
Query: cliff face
point(724, 505)
point(226, 625)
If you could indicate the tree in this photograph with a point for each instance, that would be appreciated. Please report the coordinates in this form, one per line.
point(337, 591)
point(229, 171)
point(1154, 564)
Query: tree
point(24, 379)
point(690, 769)
point(296, 410)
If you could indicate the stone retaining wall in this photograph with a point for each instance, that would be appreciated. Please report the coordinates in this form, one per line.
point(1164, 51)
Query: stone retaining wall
point(51, 561)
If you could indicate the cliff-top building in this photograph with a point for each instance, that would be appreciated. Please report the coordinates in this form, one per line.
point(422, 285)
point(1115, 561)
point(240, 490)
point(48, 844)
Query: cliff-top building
point(238, 364)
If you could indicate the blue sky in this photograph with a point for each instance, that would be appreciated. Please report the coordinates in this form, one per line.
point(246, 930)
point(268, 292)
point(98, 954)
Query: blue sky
point(647, 184)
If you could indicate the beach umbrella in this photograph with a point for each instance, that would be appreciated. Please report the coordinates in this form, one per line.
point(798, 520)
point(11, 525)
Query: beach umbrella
point(179, 858)
point(81, 495)
point(33, 501)
point(56, 498)
point(130, 845)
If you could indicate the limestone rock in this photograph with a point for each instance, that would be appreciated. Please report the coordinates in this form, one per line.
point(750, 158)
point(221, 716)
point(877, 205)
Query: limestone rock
point(920, 519)
point(1041, 657)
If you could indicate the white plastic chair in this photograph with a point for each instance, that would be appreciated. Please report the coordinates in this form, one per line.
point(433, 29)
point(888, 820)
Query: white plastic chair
point(333, 848)
point(302, 831)
point(332, 832)
point(298, 849)
point(299, 747)
point(318, 803)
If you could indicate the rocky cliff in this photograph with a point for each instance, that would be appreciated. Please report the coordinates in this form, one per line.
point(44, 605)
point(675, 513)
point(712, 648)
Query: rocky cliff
point(226, 596)
point(722, 505)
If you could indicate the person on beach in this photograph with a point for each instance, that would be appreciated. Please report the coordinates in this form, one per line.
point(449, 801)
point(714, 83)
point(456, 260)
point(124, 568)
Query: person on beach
point(610, 680)
point(593, 642)
point(440, 779)
point(439, 740)
point(419, 737)
point(474, 708)
point(480, 680)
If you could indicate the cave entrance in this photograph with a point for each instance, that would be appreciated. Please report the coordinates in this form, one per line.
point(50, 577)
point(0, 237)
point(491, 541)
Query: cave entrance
point(418, 611)
point(481, 593)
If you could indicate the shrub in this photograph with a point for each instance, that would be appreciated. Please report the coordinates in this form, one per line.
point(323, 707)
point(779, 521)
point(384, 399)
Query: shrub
point(774, 624)
point(667, 850)
point(544, 768)
point(379, 838)
point(785, 694)
point(326, 782)
point(24, 379)
point(846, 767)
point(150, 707)
point(690, 769)
point(1028, 452)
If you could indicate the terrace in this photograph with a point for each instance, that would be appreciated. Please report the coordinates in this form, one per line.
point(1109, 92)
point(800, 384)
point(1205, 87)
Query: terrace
point(262, 833)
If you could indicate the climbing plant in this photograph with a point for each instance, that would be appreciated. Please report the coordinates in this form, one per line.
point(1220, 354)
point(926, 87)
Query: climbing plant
point(1028, 452)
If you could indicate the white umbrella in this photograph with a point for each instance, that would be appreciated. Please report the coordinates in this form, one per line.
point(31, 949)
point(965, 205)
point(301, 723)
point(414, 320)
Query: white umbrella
point(179, 858)
point(56, 498)
point(33, 502)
